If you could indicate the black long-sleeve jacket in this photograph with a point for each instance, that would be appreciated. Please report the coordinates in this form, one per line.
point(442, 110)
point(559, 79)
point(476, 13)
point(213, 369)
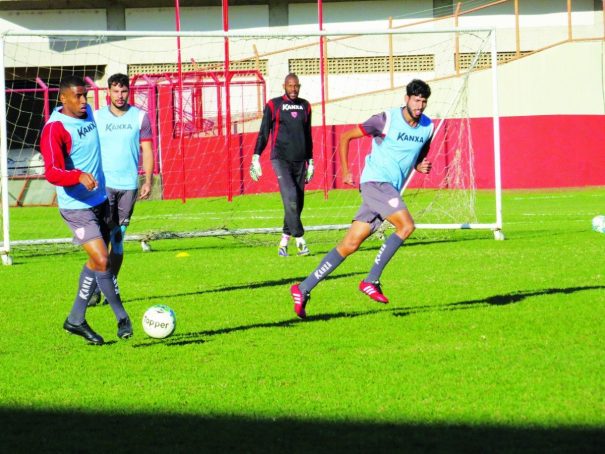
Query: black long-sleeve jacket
point(286, 125)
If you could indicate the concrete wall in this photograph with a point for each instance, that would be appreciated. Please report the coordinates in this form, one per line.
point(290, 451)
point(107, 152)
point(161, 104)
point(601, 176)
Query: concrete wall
point(209, 18)
point(552, 103)
point(68, 19)
point(566, 80)
point(536, 16)
point(303, 16)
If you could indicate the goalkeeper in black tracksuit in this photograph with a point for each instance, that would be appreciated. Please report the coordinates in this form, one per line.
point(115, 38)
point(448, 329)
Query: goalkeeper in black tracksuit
point(286, 125)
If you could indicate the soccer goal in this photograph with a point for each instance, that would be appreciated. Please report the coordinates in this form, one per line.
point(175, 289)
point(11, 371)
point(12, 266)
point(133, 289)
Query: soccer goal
point(205, 116)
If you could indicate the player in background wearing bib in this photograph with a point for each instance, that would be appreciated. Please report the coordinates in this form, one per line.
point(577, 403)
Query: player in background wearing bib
point(124, 131)
point(286, 126)
point(72, 161)
point(401, 141)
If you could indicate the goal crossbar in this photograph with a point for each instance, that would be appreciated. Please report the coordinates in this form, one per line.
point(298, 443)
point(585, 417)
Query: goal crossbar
point(243, 34)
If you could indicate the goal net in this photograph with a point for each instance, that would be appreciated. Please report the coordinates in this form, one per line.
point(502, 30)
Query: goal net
point(205, 118)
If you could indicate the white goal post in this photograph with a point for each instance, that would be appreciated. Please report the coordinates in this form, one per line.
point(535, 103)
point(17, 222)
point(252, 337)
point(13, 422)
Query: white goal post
point(185, 89)
point(5, 220)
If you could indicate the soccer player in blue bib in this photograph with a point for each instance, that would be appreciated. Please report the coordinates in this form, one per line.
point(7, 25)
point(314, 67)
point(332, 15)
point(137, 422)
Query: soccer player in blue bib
point(72, 160)
point(124, 131)
point(401, 141)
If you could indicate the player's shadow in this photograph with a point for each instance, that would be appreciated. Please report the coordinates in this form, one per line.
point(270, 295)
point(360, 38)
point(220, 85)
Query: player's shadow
point(246, 286)
point(199, 337)
point(496, 300)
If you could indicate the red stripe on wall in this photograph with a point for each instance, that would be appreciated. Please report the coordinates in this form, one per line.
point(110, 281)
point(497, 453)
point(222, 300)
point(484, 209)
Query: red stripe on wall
point(551, 151)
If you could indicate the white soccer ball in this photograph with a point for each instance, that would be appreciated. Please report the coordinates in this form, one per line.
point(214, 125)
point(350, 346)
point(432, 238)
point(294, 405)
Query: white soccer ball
point(159, 321)
point(598, 223)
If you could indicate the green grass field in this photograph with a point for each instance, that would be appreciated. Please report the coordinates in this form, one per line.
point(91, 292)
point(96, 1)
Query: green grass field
point(486, 346)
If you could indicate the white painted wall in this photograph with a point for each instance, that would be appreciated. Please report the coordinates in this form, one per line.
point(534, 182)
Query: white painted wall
point(564, 80)
point(362, 14)
point(68, 19)
point(543, 21)
point(532, 78)
point(197, 18)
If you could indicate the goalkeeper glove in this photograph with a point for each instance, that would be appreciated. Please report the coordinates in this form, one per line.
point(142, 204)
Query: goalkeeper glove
point(310, 171)
point(255, 169)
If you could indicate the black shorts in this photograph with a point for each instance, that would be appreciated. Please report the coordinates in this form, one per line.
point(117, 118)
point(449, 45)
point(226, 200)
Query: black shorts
point(380, 200)
point(121, 204)
point(88, 224)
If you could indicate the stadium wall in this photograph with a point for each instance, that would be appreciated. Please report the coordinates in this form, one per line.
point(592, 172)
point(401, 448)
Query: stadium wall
point(542, 22)
point(535, 109)
point(545, 151)
point(552, 108)
point(552, 129)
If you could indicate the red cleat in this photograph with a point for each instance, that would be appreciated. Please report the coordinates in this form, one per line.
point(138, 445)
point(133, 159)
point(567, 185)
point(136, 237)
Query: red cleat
point(300, 300)
point(373, 290)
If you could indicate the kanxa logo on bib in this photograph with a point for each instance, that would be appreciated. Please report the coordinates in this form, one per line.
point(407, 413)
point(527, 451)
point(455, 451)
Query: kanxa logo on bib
point(407, 138)
point(115, 127)
point(85, 130)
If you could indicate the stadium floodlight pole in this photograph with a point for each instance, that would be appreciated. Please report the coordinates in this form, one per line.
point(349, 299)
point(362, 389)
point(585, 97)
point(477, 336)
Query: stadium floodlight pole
point(5, 248)
point(179, 69)
point(322, 77)
point(227, 78)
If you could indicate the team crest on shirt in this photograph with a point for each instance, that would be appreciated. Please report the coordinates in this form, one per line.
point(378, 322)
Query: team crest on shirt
point(294, 114)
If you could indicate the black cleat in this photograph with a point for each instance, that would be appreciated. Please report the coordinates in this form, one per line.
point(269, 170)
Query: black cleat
point(124, 328)
point(83, 330)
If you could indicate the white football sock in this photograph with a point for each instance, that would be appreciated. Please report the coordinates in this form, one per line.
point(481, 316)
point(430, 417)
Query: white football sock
point(284, 240)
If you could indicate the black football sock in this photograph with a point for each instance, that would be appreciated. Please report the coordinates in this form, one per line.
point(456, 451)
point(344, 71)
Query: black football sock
point(328, 264)
point(385, 254)
point(86, 287)
point(108, 284)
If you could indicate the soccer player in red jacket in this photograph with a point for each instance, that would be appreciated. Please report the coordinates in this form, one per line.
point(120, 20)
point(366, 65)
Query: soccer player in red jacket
point(72, 161)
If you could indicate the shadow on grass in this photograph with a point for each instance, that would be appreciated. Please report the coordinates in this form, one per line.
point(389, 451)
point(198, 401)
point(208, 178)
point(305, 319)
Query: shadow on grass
point(26, 430)
point(200, 337)
point(285, 281)
point(247, 286)
point(497, 300)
